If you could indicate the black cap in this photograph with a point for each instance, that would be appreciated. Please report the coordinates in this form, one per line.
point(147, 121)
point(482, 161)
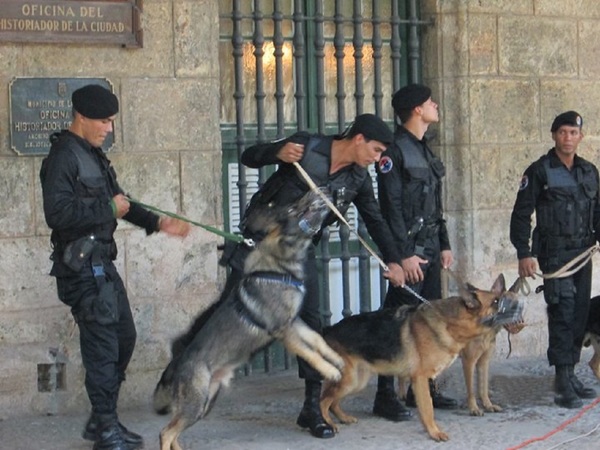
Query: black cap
point(570, 118)
point(95, 102)
point(371, 127)
point(410, 97)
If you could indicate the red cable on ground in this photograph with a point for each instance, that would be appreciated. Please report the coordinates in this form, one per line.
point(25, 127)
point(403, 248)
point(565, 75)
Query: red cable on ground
point(557, 429)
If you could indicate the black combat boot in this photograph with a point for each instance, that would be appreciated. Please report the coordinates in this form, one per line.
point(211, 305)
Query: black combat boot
point(565, 394)
point(580, 389)
point(387, 404)
point(108, 433)
point(133, 440)
point(439, 401)
point(310, 416)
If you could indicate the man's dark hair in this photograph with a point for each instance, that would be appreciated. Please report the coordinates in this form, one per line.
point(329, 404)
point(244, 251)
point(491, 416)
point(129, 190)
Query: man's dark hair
point(371, 127)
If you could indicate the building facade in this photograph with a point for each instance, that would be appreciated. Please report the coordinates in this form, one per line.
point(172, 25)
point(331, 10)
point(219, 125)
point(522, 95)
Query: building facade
point(501, 70)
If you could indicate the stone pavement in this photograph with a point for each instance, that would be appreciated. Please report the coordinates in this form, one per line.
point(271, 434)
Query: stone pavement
point(259, 412)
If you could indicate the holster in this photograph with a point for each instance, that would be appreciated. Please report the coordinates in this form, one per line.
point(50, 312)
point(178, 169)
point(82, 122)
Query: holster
point(424, 235)
point(103, 308)
point(76, 253)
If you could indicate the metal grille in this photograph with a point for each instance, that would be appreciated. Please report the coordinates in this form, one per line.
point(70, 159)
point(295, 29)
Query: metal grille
point(293, 65)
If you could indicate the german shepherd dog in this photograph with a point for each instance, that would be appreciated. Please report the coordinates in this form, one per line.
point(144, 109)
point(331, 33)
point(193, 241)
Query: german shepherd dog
point(415, 342)
point(478, 353)
point(263, 307)
point(592, 336)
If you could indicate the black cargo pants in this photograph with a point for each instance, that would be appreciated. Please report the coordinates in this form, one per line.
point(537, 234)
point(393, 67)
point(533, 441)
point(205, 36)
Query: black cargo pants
point(568, 303)
point(106, 349)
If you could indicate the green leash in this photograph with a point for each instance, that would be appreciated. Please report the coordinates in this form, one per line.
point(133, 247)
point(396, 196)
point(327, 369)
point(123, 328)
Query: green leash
point(230, 236)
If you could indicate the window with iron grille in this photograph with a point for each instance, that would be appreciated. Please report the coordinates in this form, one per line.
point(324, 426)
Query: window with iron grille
point(291, 65)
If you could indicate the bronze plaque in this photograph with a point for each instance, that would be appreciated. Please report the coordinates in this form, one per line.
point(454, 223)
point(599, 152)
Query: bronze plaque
point(42, 106)
point(73, 21)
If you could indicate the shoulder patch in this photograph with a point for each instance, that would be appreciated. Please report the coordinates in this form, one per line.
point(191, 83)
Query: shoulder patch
point(385, 164)
point(524, 182)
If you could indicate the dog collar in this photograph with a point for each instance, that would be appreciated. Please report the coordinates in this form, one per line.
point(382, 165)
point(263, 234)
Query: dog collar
point(248, 314)
point(277, 277)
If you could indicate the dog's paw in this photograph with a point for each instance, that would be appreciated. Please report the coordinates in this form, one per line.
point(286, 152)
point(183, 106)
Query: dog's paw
point(339, 363)
point(346, 419)
point(332, 374)
point(332, 357)
point(492, 408)
point(439, 436)
point(476, 412)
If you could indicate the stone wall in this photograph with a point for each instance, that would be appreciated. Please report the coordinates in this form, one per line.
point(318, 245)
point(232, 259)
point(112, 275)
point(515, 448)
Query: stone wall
point(502, 70)
point(167, 153)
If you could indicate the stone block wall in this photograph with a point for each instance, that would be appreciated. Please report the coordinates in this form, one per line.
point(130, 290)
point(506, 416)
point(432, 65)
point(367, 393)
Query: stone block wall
point(502, 70)
point(167, 153)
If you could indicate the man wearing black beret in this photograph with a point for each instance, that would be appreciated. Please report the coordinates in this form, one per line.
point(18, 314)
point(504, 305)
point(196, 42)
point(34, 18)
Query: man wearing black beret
point(410, 176)
point(563, 190)
point(82, 202)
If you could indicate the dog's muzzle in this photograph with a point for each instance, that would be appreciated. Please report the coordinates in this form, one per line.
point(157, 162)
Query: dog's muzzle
point(510, 310)
point(310, 221)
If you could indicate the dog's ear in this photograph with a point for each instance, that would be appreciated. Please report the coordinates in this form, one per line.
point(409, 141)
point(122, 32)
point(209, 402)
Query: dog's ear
point(499, 285)
point(517, 285)
point(468, 293)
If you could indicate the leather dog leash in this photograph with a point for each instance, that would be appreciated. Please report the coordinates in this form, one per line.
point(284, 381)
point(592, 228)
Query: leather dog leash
point(332, 207)
point(567, 270)
point(340, 216)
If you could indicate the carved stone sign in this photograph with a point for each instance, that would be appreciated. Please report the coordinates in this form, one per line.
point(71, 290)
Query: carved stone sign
point(42, 106)
point(73, 21)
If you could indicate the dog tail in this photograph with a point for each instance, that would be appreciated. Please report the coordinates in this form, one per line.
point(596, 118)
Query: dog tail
point(162, 397)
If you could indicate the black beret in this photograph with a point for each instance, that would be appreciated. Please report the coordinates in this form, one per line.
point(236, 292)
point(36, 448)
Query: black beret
point(371, 127)
point(95, 102)
point(410, 97)
point(570, 118)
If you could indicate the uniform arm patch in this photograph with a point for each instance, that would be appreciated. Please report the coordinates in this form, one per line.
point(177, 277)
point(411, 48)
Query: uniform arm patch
point(385, 164)
point(524, 183)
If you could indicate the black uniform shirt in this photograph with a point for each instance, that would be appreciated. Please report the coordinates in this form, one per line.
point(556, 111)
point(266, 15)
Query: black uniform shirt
point(353, 181)
point(392, 192)
point(533, 185)
point(66, 212)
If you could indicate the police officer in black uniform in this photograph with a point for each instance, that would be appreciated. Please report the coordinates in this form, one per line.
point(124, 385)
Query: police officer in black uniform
point(562, 189)
point(338, 164)
point(82, 201)
point(410, 194)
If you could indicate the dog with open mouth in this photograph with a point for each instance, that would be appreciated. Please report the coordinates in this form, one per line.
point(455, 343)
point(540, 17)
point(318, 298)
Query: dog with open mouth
point(263, 307)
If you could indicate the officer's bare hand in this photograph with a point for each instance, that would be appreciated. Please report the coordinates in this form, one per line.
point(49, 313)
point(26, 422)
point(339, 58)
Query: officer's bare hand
point(446, 258)
point(527, 267)
point(412, 269)
point(174, 227)
point(291, 152)
point(395, 274)
point(121, 205)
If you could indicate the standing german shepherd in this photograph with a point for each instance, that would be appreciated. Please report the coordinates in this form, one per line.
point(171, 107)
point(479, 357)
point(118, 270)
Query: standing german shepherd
point(478, 353)
point(416, 342)
point(264, 306)
point(592, 336)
